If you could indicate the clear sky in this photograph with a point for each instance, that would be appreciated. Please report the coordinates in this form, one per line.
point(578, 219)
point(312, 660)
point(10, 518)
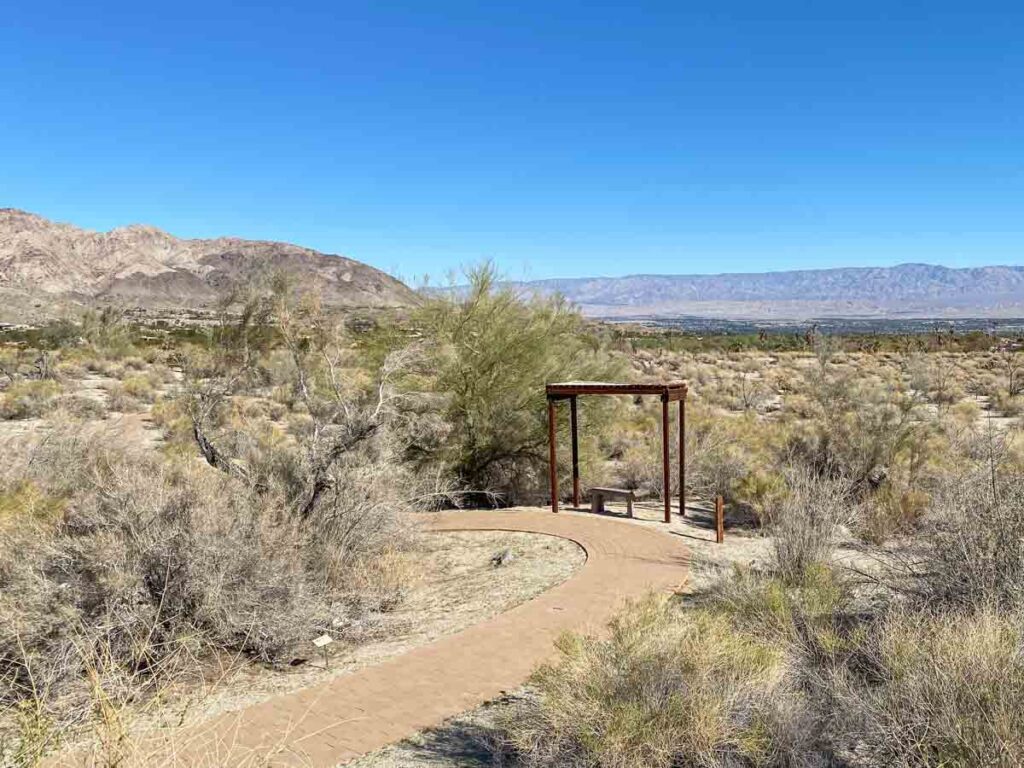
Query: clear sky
point(556, 138)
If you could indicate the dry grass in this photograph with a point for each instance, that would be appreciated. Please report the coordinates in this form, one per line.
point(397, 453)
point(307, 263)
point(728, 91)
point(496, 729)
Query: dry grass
point(970, 553)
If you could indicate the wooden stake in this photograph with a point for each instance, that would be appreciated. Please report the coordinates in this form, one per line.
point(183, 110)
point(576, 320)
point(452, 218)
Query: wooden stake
point(719, 519)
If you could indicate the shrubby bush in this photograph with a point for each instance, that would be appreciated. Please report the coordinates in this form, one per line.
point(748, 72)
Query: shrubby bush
point(129, 565)
point(663, 689)
point(970, 551)
point(29, 399)
point(931, 689)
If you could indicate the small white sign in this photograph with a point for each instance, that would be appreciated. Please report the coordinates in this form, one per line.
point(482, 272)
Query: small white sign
point(323, 640)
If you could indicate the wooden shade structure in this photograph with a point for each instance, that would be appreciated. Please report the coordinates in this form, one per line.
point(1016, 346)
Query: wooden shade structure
point(670, 391)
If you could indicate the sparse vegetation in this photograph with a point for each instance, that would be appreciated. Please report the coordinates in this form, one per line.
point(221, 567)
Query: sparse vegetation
point(290, 448)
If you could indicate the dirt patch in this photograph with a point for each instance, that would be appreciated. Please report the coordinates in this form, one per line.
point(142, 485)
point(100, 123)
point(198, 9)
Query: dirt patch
point(461, 583)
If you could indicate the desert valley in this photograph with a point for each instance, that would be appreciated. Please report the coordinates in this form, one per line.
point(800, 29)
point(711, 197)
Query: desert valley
point(265, 506)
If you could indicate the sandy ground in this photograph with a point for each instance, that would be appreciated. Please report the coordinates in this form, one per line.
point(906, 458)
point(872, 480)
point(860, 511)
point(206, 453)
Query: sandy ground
point(134, 429)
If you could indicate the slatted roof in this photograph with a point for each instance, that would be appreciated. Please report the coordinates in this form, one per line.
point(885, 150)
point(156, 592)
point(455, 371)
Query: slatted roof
point(670, 390)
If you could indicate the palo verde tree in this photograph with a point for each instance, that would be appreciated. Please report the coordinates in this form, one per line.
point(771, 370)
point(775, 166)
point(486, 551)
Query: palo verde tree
point(490, 352)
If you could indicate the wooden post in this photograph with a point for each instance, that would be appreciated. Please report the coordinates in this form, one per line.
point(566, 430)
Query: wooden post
point(665, 475)
point(719, 519)
point(575, 453)
point(682, 457)
point(552, 457)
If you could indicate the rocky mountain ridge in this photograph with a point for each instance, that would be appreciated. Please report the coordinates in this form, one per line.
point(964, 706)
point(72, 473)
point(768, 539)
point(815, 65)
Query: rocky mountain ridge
point(144, 266)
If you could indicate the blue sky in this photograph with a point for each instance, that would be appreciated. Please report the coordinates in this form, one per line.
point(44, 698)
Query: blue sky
point(556, 138)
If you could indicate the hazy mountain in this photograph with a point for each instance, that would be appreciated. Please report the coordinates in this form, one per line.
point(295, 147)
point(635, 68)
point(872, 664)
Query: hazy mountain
point(42, 262)
point(907, 290)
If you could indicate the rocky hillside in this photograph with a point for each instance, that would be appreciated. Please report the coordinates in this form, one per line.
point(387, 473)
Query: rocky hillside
point(907, 290)
point(42, 262)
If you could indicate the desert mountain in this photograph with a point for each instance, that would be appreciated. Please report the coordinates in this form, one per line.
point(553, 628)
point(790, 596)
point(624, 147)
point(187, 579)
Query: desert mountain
point(43, 261)
point(907, 290)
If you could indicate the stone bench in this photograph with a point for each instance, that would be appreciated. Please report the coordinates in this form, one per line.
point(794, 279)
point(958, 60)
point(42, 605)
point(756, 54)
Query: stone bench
point(598, 495)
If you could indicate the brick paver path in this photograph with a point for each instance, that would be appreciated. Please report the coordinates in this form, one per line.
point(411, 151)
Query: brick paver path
point(352, 714)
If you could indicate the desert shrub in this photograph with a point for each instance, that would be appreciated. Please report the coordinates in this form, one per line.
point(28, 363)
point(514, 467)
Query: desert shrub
point(761, 491)
point(966, 412)
point(171, 415)
point(107, 332)
point(747, 391)
point(1010, 364)
point(663, 689)
point(856, 428)
point(22, 501)
point(135, 363)
point(930, 689)
point(29, 399)
point(935, 376)
point(717, 459)
point(70, 369)
point(140, 387)
point(1007, 404)
point(105, 554)
point(890, 511)
point(489, 354)
point(343, 446)
point(119, 401)
point(805, 521)
point(971, 549)
point(770, 606)
point(82, 406)
point(134, 392)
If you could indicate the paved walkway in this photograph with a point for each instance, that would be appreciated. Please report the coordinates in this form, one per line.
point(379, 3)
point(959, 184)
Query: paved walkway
point(338, 720)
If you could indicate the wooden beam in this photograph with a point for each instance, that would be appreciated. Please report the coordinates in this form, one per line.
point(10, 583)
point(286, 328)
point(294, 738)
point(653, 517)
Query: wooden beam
point(682, 457)
point(665, 475)
point(675, 390)
point(552, 456)
point(575, 453)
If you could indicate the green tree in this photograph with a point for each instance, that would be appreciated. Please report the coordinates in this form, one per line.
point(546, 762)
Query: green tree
point(489, 353)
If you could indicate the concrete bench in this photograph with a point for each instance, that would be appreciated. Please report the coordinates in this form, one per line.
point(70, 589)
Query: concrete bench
point(598, 495)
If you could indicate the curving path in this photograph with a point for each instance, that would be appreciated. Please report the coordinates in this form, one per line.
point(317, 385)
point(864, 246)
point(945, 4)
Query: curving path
point(350, 715)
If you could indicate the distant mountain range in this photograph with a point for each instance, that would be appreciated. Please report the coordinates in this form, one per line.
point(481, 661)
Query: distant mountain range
point(907, 290)
point(45, 266)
